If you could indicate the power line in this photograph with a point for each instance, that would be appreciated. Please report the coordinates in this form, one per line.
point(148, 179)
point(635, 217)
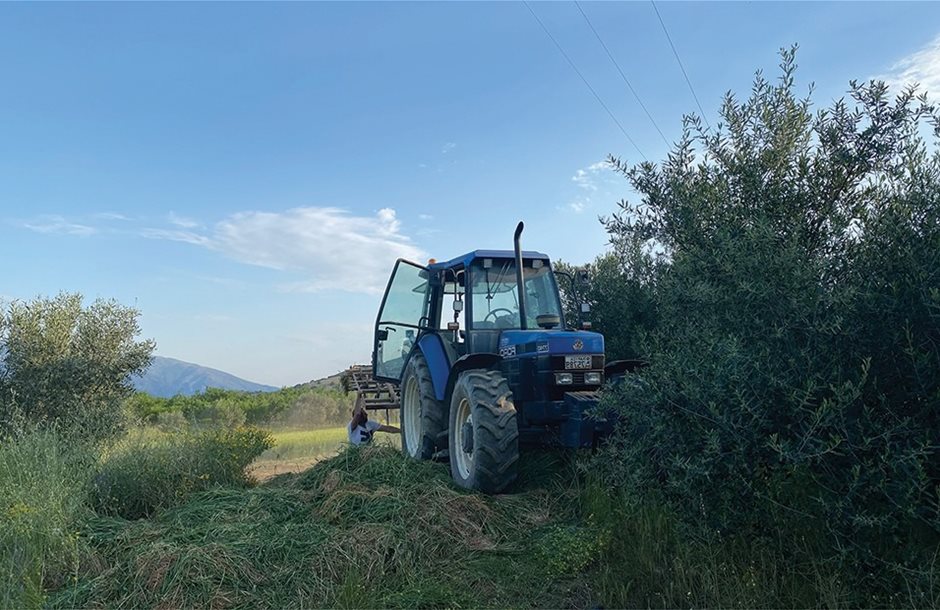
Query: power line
point(679, 61)
point(587, 84)
point(622, 75)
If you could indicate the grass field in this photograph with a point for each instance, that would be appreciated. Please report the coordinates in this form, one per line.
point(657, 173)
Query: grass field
point(297, 450)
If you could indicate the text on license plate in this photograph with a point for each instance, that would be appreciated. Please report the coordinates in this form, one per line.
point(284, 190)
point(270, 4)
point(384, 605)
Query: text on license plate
point(577, 362)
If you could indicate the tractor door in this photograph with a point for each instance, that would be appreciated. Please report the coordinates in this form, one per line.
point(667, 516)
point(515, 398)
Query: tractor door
point(401, 317)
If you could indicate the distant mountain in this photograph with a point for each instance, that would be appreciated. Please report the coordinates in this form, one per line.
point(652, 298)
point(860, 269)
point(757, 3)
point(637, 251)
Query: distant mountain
point(168, 377)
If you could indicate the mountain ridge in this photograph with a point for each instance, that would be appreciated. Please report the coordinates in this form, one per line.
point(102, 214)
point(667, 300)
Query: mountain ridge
point(168, 377)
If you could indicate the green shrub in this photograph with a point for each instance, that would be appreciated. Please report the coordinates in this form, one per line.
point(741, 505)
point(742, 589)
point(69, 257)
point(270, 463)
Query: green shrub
point(794, 386)
point(149, 470)
point(171, 421)
point(650, 561)
point(224, 414)
point(42, 508)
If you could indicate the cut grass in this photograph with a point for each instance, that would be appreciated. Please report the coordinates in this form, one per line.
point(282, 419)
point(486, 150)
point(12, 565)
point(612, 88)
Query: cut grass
point(370, 528)
point(367, 528)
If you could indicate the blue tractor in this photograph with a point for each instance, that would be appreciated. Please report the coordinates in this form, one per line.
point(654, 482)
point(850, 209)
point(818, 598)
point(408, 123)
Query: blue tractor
point(485, 363)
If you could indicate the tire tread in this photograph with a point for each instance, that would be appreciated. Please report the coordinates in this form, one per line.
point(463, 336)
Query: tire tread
point(496, 433)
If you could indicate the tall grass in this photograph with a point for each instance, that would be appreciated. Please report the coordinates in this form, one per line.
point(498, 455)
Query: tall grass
point(149, 470)
point(43, 479)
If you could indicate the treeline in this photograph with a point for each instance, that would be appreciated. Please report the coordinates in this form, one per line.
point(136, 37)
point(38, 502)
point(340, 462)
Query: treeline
point(780, 273)
point(286, 408)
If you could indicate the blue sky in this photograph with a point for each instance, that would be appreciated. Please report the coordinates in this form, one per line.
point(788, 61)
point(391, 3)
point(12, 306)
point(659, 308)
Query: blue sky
point(246, 174)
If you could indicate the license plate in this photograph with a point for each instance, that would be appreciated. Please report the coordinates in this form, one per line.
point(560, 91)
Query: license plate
point(577, 362)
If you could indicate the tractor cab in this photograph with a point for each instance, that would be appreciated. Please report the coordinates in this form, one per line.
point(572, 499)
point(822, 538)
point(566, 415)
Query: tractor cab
point(483, 337)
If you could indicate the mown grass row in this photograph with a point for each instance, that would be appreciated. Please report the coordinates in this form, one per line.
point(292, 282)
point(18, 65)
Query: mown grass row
point(365, 528)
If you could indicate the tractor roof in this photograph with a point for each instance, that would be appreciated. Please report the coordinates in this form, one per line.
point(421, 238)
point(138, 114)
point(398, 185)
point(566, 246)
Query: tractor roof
point(467, 259)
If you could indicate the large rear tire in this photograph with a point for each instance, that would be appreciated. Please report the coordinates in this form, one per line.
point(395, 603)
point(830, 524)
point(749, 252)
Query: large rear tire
point(423, 417)
point(483, 434)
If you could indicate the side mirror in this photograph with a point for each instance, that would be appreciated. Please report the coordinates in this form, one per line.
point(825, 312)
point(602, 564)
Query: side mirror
point(458, 306)
point(381, 334)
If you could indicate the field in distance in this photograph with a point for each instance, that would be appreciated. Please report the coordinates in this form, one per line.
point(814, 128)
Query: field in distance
point(297, 450)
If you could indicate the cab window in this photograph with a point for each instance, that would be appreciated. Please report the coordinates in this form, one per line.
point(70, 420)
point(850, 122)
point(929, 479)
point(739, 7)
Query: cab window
point(495, 297)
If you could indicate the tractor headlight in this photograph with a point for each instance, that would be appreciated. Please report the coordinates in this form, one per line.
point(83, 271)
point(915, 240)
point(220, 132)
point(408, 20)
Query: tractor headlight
point(564, 378)
point(592, 378)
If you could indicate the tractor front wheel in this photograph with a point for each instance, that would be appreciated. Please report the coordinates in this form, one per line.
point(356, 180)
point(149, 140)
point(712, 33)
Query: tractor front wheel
point(423, 419)
point(483, 434)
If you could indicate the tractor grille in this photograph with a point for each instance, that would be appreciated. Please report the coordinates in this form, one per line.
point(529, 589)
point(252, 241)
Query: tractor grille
point(534, 378)
point(577, 377)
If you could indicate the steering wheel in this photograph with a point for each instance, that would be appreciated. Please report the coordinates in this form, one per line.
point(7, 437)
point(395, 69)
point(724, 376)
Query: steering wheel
point(498, 309)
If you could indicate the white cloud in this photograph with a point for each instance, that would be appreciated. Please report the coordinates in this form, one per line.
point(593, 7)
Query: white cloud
point(425, 217)
point(586, 177)
point(111, 216)
point(922, 66)
point(54, 224)
point(448, 146)
point(173, 235)
point(578, 206)
point(182, 221)
point(331, 248)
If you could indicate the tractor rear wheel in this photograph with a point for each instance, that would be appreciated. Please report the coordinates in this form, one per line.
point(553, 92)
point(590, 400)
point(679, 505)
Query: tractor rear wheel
point(423, 418)
point(483, 433)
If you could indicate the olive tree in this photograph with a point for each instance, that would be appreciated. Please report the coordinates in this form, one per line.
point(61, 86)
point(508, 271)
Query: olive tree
point(794, 378)
point(69, 365)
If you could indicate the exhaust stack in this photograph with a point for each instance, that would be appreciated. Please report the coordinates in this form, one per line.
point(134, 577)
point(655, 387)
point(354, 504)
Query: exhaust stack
point(520, 283)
